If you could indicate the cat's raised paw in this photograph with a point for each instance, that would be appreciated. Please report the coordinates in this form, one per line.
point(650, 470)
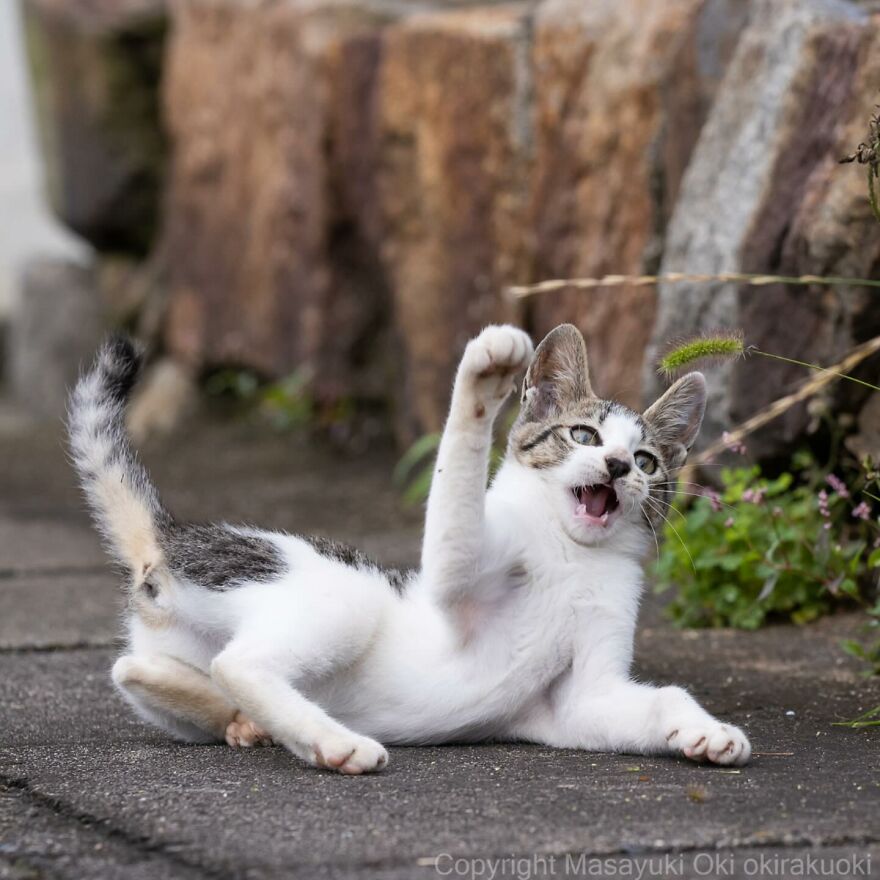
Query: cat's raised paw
point(350, 754)
point(493, 359)
point(241, 732)
point(714, 742)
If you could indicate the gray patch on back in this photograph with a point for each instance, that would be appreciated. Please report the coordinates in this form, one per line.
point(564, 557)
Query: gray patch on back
point(354, 558)
point(220, 557)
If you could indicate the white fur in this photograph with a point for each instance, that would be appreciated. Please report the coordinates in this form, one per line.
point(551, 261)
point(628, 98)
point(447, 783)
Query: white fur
point(519, 626)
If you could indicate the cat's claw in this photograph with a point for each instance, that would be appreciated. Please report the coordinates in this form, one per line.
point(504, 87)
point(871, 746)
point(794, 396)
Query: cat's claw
point(714, 742)
point(349, 754)
point(241, 732)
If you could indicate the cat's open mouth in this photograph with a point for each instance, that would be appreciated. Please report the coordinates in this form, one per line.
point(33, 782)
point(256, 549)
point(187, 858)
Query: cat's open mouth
point(596, 504)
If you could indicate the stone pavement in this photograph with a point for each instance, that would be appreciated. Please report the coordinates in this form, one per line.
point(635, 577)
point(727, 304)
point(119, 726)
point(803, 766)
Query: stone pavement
point(87, 791)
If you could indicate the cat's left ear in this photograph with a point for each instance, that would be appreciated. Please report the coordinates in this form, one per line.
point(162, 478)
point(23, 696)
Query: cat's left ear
point(676, 418)
point(558, 376)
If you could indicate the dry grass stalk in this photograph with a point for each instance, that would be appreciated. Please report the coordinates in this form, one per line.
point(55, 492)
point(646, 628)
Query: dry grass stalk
point(778, 407)
point(756, 280)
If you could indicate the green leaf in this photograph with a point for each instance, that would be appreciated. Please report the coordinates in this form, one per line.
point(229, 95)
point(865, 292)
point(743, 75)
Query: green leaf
point(425, 446)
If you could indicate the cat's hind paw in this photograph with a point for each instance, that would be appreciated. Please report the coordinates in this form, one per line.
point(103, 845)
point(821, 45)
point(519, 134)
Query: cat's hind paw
point(241, 732)
point(714, 742)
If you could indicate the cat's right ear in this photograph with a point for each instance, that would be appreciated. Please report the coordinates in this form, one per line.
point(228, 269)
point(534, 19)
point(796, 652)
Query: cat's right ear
point(558, 375)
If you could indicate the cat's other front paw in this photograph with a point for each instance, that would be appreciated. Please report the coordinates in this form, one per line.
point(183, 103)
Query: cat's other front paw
point(711, 741)
point(491, 362)
point(349, 753)
point(241, 732)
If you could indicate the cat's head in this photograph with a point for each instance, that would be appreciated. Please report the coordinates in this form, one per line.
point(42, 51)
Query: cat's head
point(601, 465)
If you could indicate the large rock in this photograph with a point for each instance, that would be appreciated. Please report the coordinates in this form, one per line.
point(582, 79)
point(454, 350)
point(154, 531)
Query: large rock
point(268, 107)
point(96, 66)
point(764, 194)
point(621, 89)
point(56, 326)
point(829, 231)
point(454, 147)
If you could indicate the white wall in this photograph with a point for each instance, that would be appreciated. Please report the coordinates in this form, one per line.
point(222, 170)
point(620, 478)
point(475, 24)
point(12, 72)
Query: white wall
point(26, 227)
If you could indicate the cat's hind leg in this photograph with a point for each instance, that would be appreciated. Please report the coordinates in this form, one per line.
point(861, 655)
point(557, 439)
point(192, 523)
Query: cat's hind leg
point(260, 682)
point(174, 696)
point(282, 653)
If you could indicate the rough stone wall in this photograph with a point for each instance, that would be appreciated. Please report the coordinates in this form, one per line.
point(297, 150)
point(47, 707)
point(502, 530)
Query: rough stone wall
point(764, 193)
point(621, 91)
point(453, 158)
point(266, 264)
point(351, 184)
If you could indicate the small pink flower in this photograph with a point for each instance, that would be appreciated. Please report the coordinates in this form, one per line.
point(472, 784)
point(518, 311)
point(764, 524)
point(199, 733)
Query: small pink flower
point(837, 485)
point(826, 526)
point(862, 511)
point(777, 511)
point(754, 496)
point(713, 497)
point(728, 523)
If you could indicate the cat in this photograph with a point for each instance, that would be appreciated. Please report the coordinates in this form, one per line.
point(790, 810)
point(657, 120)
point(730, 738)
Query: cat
point(519, 625)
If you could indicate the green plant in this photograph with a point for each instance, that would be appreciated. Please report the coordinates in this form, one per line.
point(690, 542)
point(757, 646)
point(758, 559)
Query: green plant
point(415, 470)
point(286, 403)
point(871, 718)
point(723, 346)
point(868, 153)
point(787, 547)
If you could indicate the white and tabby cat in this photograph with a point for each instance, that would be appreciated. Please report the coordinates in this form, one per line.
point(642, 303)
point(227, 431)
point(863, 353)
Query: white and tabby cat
point(519, 625)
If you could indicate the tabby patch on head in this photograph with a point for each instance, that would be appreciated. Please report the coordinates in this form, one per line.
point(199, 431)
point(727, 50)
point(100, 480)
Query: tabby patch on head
point(608, 462)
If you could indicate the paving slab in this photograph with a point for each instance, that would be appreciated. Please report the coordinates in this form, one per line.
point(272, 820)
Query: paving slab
point(70, 739)
point(43, 610)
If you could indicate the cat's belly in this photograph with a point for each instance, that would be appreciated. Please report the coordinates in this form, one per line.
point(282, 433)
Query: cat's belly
point(418, 684)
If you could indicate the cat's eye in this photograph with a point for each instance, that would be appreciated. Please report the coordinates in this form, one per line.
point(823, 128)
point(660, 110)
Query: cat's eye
point(646, 462)
point(585, 435)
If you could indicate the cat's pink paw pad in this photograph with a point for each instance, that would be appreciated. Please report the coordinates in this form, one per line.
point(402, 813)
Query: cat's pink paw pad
point(241, 732)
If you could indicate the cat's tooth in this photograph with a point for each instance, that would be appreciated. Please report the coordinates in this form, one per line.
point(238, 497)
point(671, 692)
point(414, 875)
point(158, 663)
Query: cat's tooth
point(582, 510)
point(605, 518)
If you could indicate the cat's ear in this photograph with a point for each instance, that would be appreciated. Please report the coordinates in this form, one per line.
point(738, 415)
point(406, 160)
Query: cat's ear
point(558, 375)
point(676, 418)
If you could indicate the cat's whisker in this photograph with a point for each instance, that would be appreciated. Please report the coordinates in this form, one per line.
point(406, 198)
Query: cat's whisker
point(698, 495)
point(675, 530)
point(670, 507)
point(653, 530)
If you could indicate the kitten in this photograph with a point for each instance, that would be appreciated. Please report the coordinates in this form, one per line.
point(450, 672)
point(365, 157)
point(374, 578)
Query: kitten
point(519, 625)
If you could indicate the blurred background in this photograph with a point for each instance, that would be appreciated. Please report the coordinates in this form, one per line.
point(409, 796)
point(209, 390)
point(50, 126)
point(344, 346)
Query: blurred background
point(307, 207)
point(342, 191)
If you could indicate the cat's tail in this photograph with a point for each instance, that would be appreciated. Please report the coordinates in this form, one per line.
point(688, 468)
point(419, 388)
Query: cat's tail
point(119, 493)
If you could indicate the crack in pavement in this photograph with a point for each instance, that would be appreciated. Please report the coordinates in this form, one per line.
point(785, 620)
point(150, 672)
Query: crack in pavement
point(102, 827)
point(55, 648)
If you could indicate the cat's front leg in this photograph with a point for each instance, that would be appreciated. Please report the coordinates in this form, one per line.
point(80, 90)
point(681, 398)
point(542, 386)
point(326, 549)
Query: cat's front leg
point(455, 515)
point(640, 719)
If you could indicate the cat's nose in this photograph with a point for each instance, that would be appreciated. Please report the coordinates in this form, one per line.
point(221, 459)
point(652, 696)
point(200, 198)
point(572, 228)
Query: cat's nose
point(617, 467)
